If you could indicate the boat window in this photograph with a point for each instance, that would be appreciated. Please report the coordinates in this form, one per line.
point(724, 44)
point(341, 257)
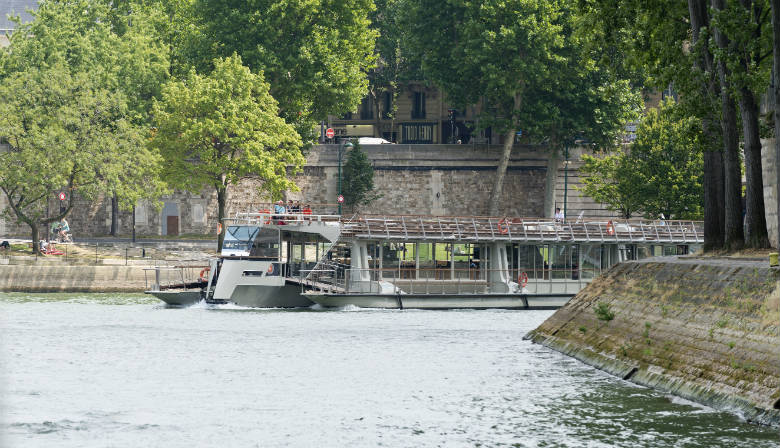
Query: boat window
point(252, 274)
point(266, 244)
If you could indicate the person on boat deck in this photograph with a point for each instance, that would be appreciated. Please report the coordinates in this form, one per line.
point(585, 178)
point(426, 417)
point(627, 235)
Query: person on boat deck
point(279, 210)
point(558, 215)
point(307, 209)
point(297, 207)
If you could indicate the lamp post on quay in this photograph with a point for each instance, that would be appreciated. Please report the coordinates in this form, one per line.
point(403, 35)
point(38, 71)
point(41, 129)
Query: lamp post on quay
point(343, 145)
point(565, 180)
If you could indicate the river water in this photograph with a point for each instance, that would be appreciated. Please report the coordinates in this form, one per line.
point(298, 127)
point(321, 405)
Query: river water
point(100, 370)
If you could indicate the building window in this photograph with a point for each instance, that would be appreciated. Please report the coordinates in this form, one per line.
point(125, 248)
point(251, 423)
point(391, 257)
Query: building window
point(416, 133)
point(367, 109)
point(418, 105)
point(347, 116)
point(387, 107)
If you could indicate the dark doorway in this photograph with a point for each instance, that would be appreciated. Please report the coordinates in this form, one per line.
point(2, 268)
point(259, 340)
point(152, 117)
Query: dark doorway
point(172, 222)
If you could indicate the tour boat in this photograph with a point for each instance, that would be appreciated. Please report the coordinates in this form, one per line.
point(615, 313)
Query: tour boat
point(427, 262)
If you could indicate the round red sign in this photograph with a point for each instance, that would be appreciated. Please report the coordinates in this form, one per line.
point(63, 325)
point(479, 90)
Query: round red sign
point(330, 133)
point(62, 195)
point(341, 199)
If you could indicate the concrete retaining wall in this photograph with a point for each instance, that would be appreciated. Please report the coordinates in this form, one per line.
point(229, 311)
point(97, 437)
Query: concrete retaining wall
point(23, 278)
point(708, 331)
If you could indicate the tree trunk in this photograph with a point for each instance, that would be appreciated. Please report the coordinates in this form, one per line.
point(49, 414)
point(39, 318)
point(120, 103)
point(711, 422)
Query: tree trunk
point(35, 237)
point(498, 185)
point(756, 235)
point(221, 200)
point(550, 182)
point(114, 214)
point(509, 141)
point(734, 235)
point(776, 88)
point(713, 155)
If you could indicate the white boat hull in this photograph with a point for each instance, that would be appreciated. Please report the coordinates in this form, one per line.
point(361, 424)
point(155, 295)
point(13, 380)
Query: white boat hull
point(440, 302)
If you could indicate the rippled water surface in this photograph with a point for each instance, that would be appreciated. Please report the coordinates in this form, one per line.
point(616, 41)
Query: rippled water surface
point(122, 371)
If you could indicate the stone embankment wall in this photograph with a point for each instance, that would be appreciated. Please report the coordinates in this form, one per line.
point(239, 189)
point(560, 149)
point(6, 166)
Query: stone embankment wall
point(705, 330)
point(411, 179)
point(72, 278)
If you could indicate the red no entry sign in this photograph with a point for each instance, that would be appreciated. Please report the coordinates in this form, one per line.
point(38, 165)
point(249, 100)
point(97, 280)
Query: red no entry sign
point(341, 199)
point(62, 196)
point(330, 133)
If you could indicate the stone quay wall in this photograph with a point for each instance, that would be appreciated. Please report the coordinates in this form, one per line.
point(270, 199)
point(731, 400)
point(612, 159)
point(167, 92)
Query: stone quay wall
point(411, 179)
point(705, 330)
point(73, 278)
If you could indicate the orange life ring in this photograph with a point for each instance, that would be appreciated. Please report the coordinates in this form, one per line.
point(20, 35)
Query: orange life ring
point(219, 228)
point(503, 227)
point(270, 268)
point(265, 211)
point(522, 279)
point(202, 276)
point(610, 228)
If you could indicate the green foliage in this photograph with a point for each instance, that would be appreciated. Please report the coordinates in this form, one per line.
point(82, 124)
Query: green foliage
point(72, 96)
point(524, 63)
point(603, 312)
point(314, 54)
point(217, 129)
point(358, 179)
point(660, 174)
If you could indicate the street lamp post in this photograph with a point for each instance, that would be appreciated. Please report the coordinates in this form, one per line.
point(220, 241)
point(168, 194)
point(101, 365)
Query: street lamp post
point(565, 179)
point(344, 144)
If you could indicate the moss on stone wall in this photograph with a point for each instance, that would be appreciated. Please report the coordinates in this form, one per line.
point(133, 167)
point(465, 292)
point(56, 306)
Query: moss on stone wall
point(706, 330)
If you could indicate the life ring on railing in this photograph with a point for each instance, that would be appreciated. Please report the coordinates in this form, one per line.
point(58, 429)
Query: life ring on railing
point(219, 228)
point(266, 212)
point(522, 279)
point(610, 228)
point(503, 226)
point(270, 269)
point(203, 277)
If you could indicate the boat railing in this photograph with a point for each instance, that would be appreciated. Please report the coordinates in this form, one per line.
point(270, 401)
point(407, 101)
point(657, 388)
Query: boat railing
point(479, 228)
point(160, 278)
point(266, 218)
point(445, 281)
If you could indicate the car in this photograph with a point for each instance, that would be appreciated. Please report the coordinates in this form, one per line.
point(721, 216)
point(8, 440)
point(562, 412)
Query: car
point(374, 141)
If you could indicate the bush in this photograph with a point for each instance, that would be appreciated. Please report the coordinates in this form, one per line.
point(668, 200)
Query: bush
point(603, 312)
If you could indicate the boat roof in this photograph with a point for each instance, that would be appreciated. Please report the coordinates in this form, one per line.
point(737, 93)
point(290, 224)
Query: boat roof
point(483, 229)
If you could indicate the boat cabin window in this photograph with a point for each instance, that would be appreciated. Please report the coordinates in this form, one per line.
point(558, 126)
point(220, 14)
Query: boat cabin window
point(251, 241)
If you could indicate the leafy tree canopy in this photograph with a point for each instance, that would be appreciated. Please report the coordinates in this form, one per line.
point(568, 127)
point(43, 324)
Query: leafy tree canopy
point(216, 129)
point(69, 110)
point(660, 174)
point(314, 54)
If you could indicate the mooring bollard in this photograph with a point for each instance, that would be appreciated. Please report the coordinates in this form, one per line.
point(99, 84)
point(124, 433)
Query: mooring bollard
point(773, 262)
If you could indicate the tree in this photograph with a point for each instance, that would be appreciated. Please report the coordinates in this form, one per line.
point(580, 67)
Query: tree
point(613, 181)
point(65, 112)
point(358, 179)
point(519, 60)
point(675, 45)
point(776, 93)
point(217, 129)
point(313, 54)
point(743, 34)
point(661, 173)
